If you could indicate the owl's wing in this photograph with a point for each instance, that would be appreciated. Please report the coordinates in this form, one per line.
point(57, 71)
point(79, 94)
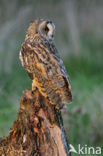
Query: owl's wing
point(54, 52)
point(67, 87)
point(43, 63)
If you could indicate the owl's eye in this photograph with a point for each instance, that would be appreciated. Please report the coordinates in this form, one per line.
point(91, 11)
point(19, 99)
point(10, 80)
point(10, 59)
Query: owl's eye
point(46, 29)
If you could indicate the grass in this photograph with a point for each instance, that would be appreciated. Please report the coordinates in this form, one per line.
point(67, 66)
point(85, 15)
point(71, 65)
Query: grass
point(11, 91)
point(83, 122)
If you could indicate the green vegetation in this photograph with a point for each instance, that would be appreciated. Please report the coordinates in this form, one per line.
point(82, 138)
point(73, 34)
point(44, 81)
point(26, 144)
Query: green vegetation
point(86, 111)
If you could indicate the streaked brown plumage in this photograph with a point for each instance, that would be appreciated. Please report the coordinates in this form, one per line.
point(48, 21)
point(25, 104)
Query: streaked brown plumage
point(41, 60)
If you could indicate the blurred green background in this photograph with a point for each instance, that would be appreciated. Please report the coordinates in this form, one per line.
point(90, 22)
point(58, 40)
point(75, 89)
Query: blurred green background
point(79, 39)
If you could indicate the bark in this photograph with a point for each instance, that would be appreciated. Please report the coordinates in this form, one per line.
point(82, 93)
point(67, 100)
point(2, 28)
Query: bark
point(38, 130)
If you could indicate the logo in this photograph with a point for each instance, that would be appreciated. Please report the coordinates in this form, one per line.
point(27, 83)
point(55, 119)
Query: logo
point(84, 149)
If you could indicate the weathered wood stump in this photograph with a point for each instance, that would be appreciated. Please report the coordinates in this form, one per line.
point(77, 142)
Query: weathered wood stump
point(38, 130)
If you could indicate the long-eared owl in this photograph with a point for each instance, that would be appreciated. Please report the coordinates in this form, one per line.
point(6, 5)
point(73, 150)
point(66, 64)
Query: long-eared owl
point(42, 61)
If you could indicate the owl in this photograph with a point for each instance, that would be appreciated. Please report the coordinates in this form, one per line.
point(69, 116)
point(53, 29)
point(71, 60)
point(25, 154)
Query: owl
point(44, 65)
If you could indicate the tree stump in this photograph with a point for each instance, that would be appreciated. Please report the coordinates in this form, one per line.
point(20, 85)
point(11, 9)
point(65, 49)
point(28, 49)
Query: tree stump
point(38, 130)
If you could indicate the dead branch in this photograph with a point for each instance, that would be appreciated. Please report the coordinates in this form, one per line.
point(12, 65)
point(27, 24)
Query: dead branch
point(38, 130)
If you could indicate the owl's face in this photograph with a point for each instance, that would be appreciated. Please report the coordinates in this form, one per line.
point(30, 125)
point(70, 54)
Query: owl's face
point(44, 28)
point(47, 30)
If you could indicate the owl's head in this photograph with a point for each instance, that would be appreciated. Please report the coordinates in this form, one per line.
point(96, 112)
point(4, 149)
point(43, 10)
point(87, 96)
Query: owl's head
point(44, 28)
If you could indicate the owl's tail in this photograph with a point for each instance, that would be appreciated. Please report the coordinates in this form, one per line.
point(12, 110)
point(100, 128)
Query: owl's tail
point(56, 95)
